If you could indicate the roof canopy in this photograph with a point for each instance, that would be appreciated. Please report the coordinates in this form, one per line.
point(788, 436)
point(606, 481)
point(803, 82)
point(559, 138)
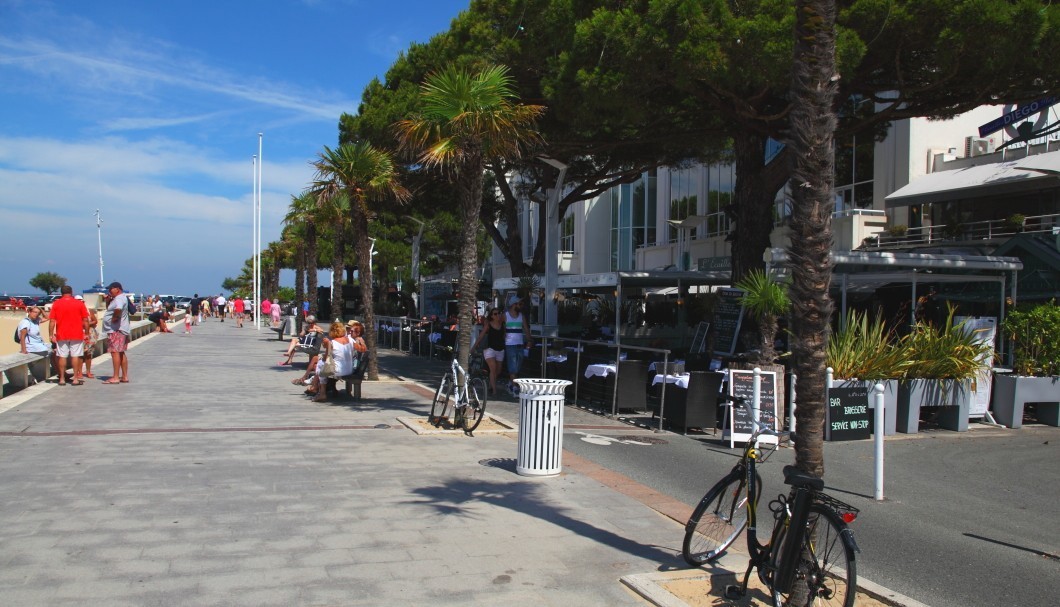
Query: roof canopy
point(995, 179)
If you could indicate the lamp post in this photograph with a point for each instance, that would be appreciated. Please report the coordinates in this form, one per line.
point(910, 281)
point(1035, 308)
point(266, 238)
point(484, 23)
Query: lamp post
point(551, 325)
point(416, 264)
point(99, 236)
point(257, 233)
point(254, 241)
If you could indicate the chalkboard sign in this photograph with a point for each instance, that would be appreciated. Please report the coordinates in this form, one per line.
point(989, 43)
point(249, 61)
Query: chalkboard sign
point(849, 416)
point(741, 384)
point(728, 316)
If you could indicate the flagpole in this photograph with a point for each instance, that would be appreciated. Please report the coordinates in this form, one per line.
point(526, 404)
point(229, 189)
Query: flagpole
point(99, 235)
point(261, 162)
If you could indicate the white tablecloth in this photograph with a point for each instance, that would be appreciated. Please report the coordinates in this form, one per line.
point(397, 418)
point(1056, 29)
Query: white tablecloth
point(599, 370)
point(556, 358)
point(681, 381)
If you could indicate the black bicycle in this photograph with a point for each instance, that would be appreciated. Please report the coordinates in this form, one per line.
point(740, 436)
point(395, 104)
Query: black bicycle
point(816, 560)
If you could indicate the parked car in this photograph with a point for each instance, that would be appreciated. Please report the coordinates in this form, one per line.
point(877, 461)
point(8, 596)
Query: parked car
point(183, 303)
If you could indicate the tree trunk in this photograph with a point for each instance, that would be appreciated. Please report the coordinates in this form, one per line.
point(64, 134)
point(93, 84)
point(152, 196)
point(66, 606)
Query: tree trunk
point(757, 184)
point(311, 266)
point(469, 185)
point(812, 132)
point(364, 266)
point(299, 281)
point(337, 263)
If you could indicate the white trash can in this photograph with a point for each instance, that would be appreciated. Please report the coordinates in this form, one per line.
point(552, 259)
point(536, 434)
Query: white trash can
point(540, 426)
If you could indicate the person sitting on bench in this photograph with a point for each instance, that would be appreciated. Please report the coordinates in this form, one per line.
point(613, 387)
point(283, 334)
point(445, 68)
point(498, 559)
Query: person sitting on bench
point(306, 342)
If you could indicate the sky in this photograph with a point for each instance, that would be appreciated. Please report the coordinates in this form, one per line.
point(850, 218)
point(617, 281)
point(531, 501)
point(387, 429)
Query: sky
point(150, 112)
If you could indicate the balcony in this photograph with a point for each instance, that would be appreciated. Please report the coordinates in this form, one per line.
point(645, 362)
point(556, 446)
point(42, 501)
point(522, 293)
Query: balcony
point(963, 232)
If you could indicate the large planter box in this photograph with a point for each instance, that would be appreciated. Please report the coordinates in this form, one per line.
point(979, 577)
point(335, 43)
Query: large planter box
point(890, 399)
point(953, 395)
point(1012, 392)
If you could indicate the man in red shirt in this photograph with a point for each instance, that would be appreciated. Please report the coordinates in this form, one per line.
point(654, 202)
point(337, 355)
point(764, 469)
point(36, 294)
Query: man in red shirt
point(67, 330)
point(237, 310)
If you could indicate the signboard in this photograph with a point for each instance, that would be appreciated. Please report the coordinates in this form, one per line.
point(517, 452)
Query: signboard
point(714, 264)
point(728, 316)
point(848, 416)
point(985, 330)
point(435, 295)
point(1010, 118)
point(741, 384)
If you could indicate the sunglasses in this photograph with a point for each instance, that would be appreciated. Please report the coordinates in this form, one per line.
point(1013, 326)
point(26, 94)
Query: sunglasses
point(495, 313)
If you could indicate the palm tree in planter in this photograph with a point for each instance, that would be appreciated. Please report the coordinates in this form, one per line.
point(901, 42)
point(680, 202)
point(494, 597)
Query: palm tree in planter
point(864, 353)
point(1035, 365)
point(943, 362)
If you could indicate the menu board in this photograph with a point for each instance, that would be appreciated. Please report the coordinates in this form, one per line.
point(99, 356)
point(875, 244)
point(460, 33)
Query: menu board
point(848, 416)
point(728, 316)
point(741, 384)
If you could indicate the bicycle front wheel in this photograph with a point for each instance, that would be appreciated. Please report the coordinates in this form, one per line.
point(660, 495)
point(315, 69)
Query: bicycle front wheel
point(439, 406)
point(476, 404)
point(826, 572)
point(717, 521)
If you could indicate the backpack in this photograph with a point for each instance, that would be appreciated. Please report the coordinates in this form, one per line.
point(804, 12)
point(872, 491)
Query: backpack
point(17, 340)
point(132, 306)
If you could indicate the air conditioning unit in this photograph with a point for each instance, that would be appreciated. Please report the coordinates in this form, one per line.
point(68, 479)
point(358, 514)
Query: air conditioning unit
point(978, 146)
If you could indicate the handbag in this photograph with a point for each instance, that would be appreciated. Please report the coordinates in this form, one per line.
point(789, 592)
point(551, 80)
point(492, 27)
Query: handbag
point(329, 368)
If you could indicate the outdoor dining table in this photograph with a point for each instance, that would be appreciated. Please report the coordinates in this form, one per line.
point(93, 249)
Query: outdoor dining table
point(681, 381)
point(600, 370)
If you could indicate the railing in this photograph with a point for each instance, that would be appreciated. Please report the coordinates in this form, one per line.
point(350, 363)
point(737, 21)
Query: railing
point(972, 231)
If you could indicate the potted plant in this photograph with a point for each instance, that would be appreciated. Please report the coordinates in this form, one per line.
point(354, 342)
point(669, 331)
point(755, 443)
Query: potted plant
point(766, 300)
point(862, 354)
point(1035, 376)
point(942, 363)
point(898, 231)
point(1016, 221)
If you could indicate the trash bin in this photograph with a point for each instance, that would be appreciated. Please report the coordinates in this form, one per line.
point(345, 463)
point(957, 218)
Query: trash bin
point(291, 326)
point(540, 426)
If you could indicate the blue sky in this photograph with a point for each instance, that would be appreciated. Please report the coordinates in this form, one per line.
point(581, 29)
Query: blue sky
point(150, 112)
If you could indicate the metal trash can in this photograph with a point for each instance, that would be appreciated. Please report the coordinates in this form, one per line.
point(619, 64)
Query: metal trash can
point(540, 426)
point(291, 326)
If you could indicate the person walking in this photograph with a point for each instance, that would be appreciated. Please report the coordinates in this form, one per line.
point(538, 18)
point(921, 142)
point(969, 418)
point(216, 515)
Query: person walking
point(237, 310)
point(117, 329)
point(516, 341)
point(493, 333)
point(275, 311)
point(195, 311)
point(67, 329)
point(220, 304)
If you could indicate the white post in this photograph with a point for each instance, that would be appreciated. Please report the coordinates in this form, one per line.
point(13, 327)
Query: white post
point(877, 438)
point(99, 235)
point(254, 240)
point(551, 314)
point(756, 395)
point(257, 246)
point(791, 406)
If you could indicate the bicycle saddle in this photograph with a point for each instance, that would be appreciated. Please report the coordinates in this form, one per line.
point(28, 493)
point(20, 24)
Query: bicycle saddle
point(797, 478)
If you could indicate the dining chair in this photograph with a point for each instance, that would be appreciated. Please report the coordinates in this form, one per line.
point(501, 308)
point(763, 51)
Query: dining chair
point(700, 406)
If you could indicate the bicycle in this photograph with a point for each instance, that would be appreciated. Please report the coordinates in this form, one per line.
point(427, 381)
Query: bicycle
point(817, 559)
point(468, 396)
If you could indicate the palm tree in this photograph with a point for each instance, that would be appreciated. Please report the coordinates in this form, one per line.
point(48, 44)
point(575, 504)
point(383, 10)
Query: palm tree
point(333, 212)
point(294, 235)
point(302, 211)
point(363, 175)
point(464, 120)
point(814, 84)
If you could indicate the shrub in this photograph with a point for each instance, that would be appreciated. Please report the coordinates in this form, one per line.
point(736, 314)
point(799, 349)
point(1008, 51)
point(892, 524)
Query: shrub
point(863, 350)
point(947, 352)
point(1035, 334)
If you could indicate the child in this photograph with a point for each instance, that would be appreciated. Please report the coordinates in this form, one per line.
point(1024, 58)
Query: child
point(187, 323)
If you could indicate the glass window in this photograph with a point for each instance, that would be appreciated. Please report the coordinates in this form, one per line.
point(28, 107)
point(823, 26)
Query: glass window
point(566, 232)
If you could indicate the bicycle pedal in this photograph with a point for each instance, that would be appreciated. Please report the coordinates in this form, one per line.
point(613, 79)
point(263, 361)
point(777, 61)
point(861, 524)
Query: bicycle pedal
point(734, 592)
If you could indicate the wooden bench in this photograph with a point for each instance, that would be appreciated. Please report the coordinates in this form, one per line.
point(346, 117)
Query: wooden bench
point(22, 370)
point(356, 377)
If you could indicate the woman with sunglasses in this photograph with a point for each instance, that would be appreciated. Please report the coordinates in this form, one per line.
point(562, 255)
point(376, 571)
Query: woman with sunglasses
point(493, 333)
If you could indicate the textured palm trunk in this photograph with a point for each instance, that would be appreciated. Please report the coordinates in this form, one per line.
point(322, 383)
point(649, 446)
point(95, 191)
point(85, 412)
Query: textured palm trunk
point(813, 89)
point(469, 184)
point(812, 130)
point(364, 267)
point(311, 266)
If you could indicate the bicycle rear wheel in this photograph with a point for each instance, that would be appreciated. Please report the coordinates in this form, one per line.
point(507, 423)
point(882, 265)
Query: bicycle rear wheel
point(476, 404)
point(440, 404)
point(826, 568)
point(717, 521)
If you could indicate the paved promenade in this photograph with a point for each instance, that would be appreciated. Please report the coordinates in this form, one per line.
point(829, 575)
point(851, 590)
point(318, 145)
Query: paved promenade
point(210, 480)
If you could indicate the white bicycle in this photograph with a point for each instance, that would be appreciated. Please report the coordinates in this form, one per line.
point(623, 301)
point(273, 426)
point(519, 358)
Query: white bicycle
point(467, 398)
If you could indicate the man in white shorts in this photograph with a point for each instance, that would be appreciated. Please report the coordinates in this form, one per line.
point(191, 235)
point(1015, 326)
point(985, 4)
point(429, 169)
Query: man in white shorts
point(67, 330)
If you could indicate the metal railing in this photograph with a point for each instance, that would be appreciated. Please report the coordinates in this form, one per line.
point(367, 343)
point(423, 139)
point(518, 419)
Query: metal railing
point(971, 231)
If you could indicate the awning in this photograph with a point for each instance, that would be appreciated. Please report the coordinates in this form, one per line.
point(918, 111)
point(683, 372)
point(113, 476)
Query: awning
point(995, 179)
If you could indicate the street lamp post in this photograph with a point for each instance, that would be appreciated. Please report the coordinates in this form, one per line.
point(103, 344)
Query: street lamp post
point(416, 264)
point(99, 236)
point(551, 316)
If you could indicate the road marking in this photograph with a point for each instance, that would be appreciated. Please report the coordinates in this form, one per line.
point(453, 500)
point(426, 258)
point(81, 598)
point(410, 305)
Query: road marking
point(596, 439)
